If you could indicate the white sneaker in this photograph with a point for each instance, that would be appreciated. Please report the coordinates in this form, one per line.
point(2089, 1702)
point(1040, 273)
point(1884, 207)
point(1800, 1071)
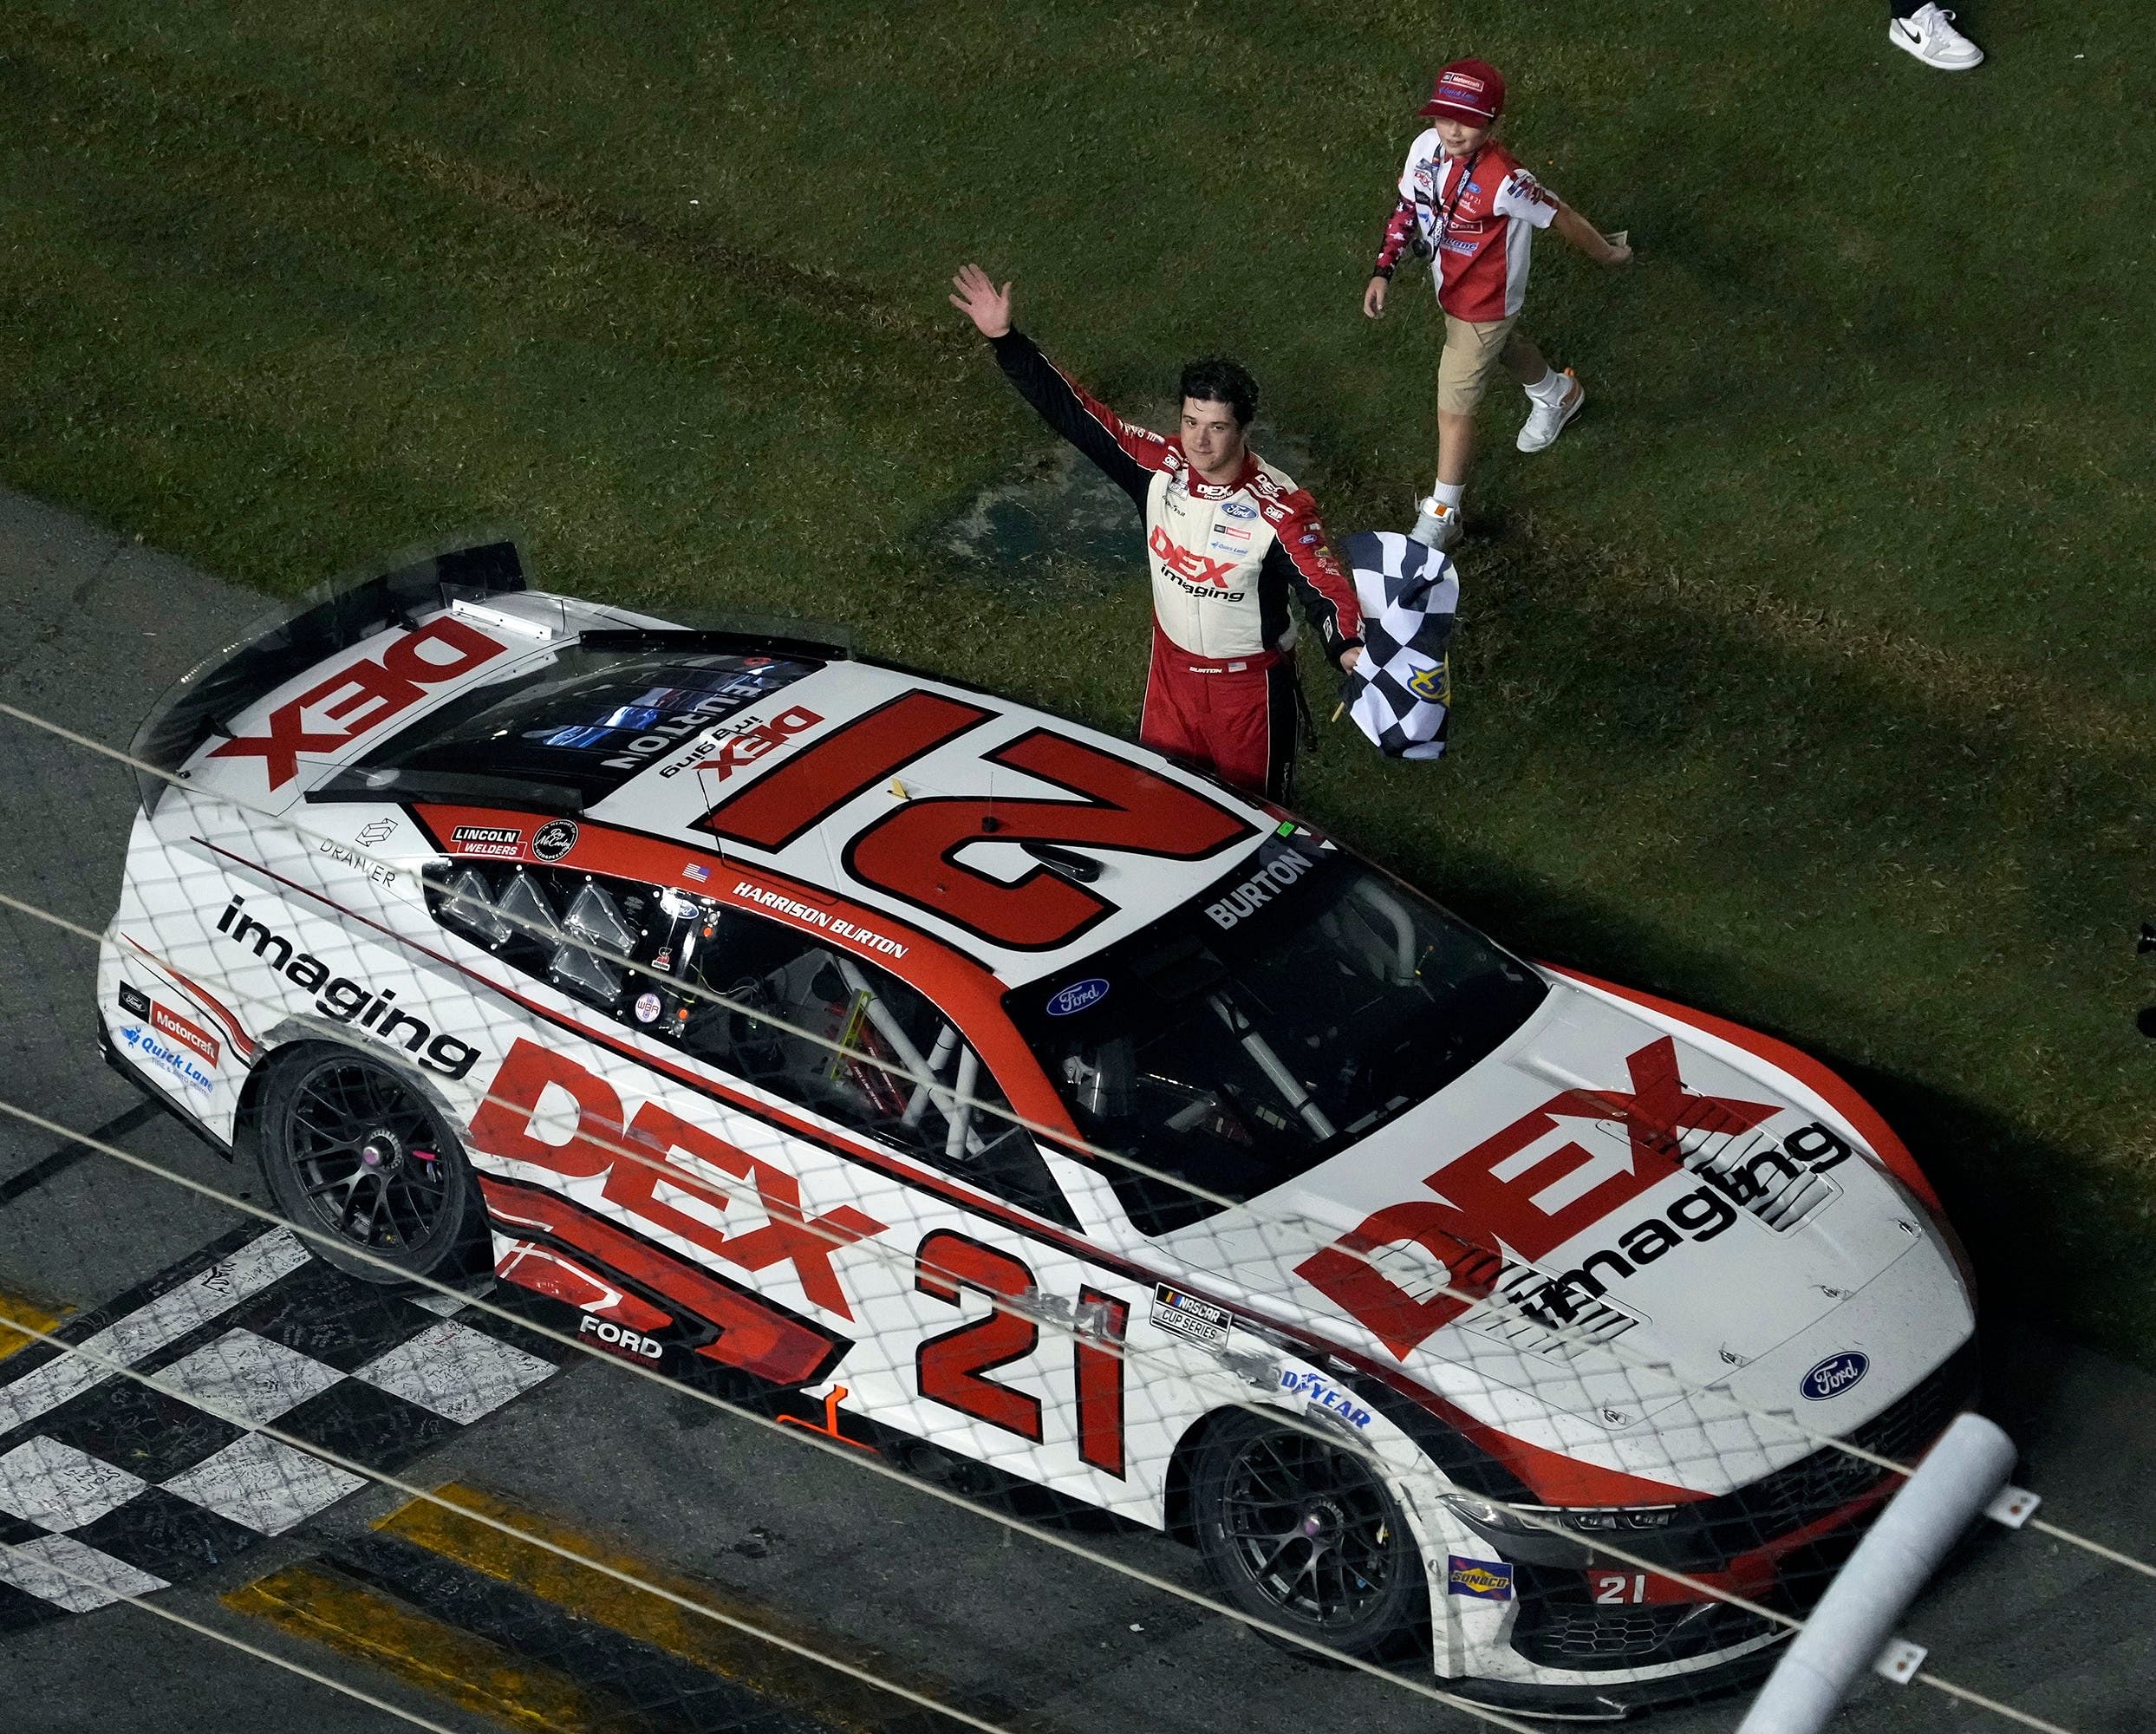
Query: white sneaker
point(1928, 34)
point(1547, 420)
point(1437, 525)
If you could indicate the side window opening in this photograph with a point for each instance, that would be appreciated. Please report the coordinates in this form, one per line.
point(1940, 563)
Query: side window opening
point(571, 929)
point(804, 1020)
point(889, 1063)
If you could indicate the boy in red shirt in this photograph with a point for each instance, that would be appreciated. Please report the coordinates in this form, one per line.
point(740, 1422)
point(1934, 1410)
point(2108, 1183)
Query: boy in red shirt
point(1465, 199)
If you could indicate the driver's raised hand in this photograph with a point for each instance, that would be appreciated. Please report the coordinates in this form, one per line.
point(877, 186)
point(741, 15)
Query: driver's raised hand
point(981, 301)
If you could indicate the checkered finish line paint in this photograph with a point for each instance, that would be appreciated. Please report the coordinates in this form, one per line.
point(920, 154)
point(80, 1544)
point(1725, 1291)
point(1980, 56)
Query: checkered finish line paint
point(103, 1478)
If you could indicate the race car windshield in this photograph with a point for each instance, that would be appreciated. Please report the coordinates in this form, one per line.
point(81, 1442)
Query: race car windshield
point(1280, 1016)
point(585, 723)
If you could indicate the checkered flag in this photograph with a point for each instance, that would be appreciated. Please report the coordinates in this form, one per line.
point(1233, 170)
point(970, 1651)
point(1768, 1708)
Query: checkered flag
point(1401, 692)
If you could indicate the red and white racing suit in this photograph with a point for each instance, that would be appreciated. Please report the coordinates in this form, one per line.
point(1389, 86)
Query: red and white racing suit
point(1221, 690)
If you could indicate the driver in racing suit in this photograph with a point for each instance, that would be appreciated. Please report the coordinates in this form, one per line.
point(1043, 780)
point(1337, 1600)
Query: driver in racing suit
point(1228, 537)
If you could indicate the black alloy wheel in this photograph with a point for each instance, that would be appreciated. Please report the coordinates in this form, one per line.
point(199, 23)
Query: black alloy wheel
point(1305, 1534)
point(350, 1147)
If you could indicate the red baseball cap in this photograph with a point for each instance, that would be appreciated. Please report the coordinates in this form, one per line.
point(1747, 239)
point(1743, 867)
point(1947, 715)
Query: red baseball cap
point(1469, 90)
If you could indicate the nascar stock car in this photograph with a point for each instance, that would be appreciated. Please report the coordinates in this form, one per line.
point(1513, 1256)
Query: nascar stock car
point(798, 1015)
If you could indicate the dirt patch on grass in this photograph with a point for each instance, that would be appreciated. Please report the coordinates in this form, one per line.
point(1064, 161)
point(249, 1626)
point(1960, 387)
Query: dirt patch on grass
point(1053, 525)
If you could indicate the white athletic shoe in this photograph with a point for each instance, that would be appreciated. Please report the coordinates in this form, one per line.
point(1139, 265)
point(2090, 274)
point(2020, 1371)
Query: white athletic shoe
point(1437, 525)
point(1547, 420)
point(1928, 34)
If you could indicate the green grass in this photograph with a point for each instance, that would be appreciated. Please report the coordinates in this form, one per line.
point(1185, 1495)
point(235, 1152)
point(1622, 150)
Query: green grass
point(1805, 679)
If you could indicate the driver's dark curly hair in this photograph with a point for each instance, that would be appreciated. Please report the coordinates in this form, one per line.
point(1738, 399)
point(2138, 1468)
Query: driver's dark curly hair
point(1220, 379)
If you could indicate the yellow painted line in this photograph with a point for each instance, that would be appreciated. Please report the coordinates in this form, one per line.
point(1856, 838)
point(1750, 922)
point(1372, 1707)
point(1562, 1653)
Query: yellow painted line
point(39, 1315)
point(329, 1608)
point(830, 1696)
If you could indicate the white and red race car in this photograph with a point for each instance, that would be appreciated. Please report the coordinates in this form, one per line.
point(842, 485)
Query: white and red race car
point(1437, 1297)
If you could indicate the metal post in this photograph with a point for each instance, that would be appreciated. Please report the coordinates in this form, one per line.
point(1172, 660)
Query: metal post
point(1961, 1475)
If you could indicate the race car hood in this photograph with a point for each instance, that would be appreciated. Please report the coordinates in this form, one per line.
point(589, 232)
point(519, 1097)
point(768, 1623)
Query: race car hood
point(1619, 1232)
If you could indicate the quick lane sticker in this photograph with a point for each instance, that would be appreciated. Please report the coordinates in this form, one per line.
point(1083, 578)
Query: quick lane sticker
point(1193, 1319)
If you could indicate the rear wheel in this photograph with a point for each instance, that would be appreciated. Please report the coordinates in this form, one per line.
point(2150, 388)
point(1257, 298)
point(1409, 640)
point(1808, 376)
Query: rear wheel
point(1306, 1534)
point(352, 1149)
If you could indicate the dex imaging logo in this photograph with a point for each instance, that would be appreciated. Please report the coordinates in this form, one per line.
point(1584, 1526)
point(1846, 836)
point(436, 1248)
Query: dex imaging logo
point(1835, 1375)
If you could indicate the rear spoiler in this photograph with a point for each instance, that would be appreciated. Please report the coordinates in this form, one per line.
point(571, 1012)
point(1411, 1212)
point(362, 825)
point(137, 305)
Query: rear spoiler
point(203, 701)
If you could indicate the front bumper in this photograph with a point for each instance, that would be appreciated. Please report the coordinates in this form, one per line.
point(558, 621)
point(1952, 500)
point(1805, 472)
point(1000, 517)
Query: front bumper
point(1777, 1542)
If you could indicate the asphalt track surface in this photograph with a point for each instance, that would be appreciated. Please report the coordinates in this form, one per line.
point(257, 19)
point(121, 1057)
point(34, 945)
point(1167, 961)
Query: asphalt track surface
point(91, 626)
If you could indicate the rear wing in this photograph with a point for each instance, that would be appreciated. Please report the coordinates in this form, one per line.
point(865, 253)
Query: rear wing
point(202, 702)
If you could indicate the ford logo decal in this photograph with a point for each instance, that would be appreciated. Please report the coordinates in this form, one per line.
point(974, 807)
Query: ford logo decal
point(1835, 1375)
point(1065, 1001)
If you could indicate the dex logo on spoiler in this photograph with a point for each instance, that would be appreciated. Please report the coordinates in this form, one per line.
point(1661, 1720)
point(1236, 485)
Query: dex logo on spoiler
point(363, 696)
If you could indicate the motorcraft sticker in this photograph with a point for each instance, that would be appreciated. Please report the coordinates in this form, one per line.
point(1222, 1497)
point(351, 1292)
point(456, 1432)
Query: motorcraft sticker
point(1486, 1579)
point(1193, 1319)
point(173, 1027)
point(185, 1031)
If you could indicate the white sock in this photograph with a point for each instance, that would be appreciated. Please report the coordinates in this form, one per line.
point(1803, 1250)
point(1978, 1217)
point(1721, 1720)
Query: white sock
point(1448, 493)
point(1550, 388)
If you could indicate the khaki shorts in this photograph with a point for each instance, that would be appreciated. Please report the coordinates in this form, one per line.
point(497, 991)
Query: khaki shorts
point(1472, 352)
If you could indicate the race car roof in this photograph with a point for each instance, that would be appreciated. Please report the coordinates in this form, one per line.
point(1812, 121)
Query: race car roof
point(1026, 842)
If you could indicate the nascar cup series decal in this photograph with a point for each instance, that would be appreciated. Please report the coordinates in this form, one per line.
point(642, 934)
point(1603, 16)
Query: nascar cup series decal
point(1486, 1579)
point(1835, 1375)
point(1193, 1319)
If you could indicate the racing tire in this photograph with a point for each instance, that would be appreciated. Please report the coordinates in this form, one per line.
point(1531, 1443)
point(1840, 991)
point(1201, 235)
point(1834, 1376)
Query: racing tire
point(1305, 1535)
point(351, 1149)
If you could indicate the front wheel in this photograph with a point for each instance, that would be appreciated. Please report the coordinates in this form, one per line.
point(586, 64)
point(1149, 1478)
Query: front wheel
point(351, 1148)
point(1305, 1534)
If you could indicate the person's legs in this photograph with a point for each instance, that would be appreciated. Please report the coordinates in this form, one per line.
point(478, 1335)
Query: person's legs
point(1522, 359)
point(1455, 450)
point(1249, 726)
point(1166, 723)
point(1471, 355)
